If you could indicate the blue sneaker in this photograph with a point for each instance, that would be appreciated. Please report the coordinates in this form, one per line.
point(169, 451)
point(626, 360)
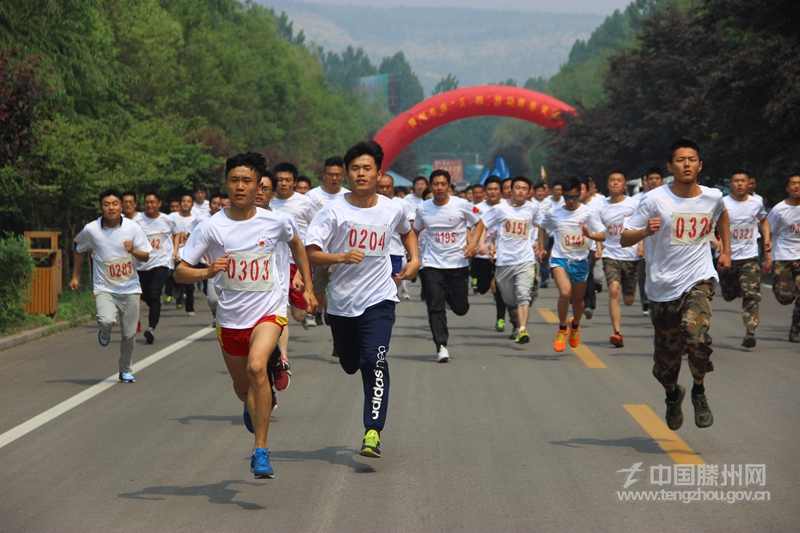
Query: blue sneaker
point(248, 422)
point(259, 464)
point(103, 339)
point(126, 377)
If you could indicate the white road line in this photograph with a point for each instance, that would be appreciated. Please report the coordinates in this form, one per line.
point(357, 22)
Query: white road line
point(43, 418)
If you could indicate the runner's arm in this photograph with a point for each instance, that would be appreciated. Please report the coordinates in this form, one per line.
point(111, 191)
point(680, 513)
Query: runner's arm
point(766, 235)
point(76, 268)
point(412, 247)
point(301, 260)
point(186, 273)
point(316, 257)
point(476, 235)
point(724, 228)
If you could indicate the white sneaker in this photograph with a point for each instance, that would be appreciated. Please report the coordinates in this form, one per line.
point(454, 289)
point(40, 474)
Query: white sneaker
point(309, 322)
point(189, 313)
point(443, 356)
point(404, 295)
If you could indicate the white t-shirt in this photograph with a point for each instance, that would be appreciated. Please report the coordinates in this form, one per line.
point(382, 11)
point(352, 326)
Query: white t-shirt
point(340, 227)
point(396, 245)
point(254, 284)
point(677, 254)
point(613, 217)
point(483, 207)
point(300, 208)
point(202, 211)
point(184, 224)
point(413, 200)
point(159, 232)
point(447, 231)
point(745, 217)
point(513, 229)
point(570, 242)
point(320, 198)
point(784, 221)
point(112, 268)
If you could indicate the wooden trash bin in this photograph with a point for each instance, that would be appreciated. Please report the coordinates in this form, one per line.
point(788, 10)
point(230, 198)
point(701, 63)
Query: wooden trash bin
point(46, 285)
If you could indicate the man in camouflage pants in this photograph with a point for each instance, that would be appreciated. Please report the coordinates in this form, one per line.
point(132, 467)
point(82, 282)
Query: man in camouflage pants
point(743, 278)
point(785, 222)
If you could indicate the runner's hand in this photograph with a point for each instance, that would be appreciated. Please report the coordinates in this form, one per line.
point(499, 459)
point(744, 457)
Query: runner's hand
point(353, 257)
point(73, 284)
point(724, 261)
point(128, 245)
point(767, 268)
point(220, 264)
point(653, 225)
point(297, 282)
point(311, 301)
point(409, 271)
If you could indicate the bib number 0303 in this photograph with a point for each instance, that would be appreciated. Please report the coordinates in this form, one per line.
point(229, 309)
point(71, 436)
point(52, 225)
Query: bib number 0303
point(690, 229)
point(372, 240)
point(248, 272)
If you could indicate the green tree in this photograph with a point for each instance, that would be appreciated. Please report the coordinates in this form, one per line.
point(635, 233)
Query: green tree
point(411, 91)
point(446, 84)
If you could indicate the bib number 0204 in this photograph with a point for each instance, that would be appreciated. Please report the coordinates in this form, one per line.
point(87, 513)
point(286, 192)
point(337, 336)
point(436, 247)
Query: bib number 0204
point(369, 239)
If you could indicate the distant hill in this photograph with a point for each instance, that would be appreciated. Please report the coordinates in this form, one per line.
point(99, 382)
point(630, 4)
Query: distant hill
point(477, 46)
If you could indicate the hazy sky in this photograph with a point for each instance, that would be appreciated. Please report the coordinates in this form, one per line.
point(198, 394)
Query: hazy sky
point(560, 6)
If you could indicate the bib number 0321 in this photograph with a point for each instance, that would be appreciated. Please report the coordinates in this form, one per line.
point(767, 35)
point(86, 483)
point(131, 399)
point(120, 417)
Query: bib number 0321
point(372, 240)
point(690, 229)
point(248, 272)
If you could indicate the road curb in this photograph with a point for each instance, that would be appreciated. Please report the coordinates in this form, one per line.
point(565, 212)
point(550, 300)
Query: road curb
point(25, 337)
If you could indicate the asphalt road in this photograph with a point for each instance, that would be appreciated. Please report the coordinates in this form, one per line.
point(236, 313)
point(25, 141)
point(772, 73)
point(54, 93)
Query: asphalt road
point(503, 438)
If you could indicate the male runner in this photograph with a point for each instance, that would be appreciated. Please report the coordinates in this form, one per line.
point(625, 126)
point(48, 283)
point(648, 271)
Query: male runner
point(200, 206)
point(418, 187)
point(593, 200)
point(353, 236)
point(129, 205)
point(746, 213)
point(513, 225)
point(506, 187)
point(242, 243)
point(784, 220)
point(620, 265)
point(185, 223)
point(303, 185)
point(397, 252)
point(679, 221)
point(478, 193)
point(575, 226)
point(446, 258)
point(330, 190)
point(652, 180)
point(302, 209)
point(160, 230)
point(115, 241)
point(553, 200)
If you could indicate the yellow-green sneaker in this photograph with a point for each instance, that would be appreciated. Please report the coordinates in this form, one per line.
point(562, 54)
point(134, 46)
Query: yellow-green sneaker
point(523, 337)
point(371, 446)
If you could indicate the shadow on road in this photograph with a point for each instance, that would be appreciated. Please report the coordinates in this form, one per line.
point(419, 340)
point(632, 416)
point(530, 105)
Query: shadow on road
point(215, 492)
point(639, 444)
point(235, 420)
point(335, 455)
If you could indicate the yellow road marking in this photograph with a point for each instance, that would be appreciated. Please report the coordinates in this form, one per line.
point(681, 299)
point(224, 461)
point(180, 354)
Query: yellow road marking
point(668, 440)
point(584, 354)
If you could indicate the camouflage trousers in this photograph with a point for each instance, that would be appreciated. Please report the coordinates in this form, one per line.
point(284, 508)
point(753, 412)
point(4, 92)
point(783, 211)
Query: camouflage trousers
point(743, 279)
point(786, 286)
point(682, 327)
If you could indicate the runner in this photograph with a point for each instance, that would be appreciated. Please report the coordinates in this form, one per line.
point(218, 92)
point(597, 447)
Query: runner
point(620, 265)
point(506, 187)
point(330, 190)
point(397, 252)
point(446, 258)
point(200, 207)
point(746, 213)
point(242, 243)
point(419, 186)
point(478, 193)
point(160, 230)
point(303, 185)
point(653, 180)
point(185, 222)
point(129, 205)
point(593, 200)
point(114, 241)
point(679, 221)
point(784, 220)
point(575, 225)
point(553, 200)
point(214, 202)
point(513, 224)
point(353, 236)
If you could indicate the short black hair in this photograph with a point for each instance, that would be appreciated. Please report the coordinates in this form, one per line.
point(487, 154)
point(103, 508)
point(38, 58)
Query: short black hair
point(400, 189)
point(789, 178)
point(271, 178)
point(335, 161)
point(538, 185)
point(477, 185)
point(571, 182)
point(618, 172)
point(129, 193)
point(252, 160)
point(504, 181)
point(468, 188)
point(286, 167)
point(185, 194)
point(199, 187)
point(426, 192)
point(109, 192)
point(303, 178)
point(683, 143)
point(175, 199)
point(522, 179)
point(215, 193)
point(370, 148)
point(440, 172)
point(492, 179)
point(556, 183)
point(741, 171)
point(655, 170)
point(152, 192)
point(423, 178)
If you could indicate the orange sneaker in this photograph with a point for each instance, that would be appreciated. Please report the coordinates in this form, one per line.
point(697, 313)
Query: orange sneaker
point(616, 340)
point(561, 340)
point(574, 334)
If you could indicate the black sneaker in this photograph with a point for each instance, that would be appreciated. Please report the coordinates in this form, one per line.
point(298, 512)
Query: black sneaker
point(318, 319)
point(674, 412)
point(703, 417)
point(749, 340)
point(150, 335)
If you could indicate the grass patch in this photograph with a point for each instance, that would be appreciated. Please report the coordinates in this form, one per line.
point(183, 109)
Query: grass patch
point(73, 305)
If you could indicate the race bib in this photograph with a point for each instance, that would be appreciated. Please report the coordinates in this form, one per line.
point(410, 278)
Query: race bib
point(118, 271)
point(444, 240)
point(690, 229)
point(372, 240)
point(573, 240)
point(516, 228)
point(248, 272)
point(743, 232)
point(614, 230)
point(157, 242)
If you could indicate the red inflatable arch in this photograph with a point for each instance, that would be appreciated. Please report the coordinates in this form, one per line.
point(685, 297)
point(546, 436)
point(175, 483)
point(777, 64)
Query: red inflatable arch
point(487, 100)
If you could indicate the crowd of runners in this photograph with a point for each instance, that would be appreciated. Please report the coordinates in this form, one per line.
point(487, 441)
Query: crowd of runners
point(275, 249)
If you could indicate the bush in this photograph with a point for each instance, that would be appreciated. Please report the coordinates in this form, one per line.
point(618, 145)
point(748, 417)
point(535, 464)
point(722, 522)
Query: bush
point(74, 305)
point(16, 270)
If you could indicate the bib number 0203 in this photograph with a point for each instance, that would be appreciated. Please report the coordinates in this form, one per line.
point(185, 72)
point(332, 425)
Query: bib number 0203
point(369, 239)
